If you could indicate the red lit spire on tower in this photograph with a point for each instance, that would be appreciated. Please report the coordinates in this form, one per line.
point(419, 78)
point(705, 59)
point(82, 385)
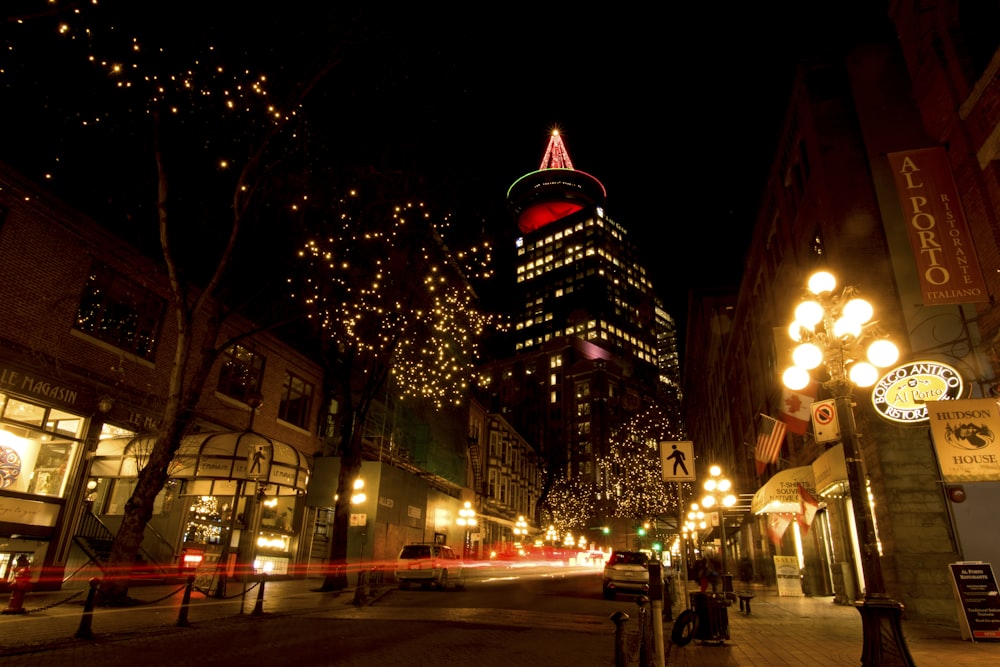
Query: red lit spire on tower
point(556, 156)
point(542, 197)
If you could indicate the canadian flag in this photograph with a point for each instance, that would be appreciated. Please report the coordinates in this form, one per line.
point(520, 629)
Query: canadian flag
point(777, 524)
point(795, 407)
point(809, 507)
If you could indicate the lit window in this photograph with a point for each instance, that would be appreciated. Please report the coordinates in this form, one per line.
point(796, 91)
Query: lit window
point(117, 311)
point(241, 374)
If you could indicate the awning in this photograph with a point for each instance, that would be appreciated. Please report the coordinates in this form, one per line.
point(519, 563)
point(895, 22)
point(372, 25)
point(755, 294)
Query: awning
point(781, 492)
point(215, 462)
point(121, 457)
point(830, 469)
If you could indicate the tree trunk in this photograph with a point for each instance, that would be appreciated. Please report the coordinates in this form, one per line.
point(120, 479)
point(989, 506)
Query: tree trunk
point(350, 467)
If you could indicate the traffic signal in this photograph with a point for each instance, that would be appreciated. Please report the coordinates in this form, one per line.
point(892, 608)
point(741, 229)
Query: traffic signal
point(606, 530)
point(642, 531)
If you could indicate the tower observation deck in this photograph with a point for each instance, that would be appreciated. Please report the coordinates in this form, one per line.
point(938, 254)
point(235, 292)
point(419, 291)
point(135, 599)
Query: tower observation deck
point(553, 192)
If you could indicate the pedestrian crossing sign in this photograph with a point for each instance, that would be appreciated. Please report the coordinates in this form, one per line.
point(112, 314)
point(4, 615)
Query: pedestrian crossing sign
point(677, 460)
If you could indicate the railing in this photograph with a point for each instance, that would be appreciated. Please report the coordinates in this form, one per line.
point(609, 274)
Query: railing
point(96, 540)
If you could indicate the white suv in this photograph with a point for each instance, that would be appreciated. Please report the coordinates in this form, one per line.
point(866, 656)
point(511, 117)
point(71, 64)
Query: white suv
point(427, 564)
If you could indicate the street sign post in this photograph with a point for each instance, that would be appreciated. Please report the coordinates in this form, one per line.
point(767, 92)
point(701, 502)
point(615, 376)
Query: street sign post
point(677, 460)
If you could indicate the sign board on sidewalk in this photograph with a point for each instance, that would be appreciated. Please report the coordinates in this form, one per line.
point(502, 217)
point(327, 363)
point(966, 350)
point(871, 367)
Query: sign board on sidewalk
point(677, 460)
point(789, 578)
point(978, 600)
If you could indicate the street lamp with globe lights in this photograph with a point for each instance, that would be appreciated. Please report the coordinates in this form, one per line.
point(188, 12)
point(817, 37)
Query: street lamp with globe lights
point(520, 529)
point(466, 519)
point(835, 329)
point(718, 494)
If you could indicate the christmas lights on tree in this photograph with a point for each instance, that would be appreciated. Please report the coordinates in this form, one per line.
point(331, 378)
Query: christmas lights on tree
point(382, 284)
point(632, 473)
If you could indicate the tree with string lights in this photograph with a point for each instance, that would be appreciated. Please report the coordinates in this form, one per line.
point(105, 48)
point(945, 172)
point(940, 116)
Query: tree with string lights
point(396, 313)
point(569, 505)
point(197, 141)
point(633, 475)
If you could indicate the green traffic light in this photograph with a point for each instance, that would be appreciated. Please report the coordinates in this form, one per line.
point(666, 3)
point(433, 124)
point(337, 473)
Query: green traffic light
point(642, 531)
point(606, 530)
point(657, 546)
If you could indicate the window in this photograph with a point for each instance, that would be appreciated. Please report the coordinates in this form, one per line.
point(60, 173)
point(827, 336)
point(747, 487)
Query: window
point(38, 447)
point(119, 312)
point(296, 400)
point(241, 374)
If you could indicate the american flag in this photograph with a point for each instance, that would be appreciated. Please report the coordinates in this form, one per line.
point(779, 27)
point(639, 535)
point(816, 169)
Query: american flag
point(769, 441)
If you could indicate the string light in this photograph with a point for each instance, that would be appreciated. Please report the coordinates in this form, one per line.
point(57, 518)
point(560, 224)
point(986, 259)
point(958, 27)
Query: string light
point(394, 293)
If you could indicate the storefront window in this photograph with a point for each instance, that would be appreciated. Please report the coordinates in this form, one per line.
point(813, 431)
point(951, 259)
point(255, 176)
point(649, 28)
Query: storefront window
point(277, 512)
point(208, 519)
point(38, 444)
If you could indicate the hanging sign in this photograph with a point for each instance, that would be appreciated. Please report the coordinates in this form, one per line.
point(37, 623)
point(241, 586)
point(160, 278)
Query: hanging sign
point(965, 439)
point(939, 232)
point(901, 394)
point(978, 600)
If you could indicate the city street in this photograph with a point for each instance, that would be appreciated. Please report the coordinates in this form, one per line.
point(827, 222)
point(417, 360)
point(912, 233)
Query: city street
point(527, 616)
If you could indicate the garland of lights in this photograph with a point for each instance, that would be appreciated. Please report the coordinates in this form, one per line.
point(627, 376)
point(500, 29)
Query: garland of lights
point(387, 288)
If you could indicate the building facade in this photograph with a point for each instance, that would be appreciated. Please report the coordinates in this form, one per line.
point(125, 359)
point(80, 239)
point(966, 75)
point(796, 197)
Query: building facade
point(921, 92)
point(86, 347)
point(590, 345)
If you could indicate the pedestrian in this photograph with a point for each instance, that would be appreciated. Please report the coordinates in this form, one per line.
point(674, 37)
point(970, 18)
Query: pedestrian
point(701, 573)
point(714, 574)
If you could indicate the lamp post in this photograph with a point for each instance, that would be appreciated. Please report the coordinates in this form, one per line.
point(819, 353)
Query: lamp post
point(466, 519)
point(717, 493)
point(520, 529)
point(832, 329)
point(358, 497)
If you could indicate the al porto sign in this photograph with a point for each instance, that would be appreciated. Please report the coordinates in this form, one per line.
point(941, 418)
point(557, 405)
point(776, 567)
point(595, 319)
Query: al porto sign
point(901, 394)
point(939, 232)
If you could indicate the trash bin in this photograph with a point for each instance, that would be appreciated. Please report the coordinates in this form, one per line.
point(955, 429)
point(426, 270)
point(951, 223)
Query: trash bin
point(713, 616)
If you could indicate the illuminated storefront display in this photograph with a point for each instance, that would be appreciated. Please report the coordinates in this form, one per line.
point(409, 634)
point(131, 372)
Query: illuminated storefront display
point(38, 445)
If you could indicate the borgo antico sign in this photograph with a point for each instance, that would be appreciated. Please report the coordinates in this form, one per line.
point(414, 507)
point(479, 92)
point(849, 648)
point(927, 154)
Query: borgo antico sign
point(901, 394)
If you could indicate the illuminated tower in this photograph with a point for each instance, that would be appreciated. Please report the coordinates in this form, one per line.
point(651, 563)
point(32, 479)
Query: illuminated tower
point(586, 326)
point(577, 272)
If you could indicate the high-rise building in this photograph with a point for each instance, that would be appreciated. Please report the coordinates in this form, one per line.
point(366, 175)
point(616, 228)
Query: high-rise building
point(590, 346)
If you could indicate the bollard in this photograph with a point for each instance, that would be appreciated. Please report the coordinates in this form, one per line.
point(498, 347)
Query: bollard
point(644, 632)
point(88, 612)
point(620, 618)
point(359, 590)
point(182, 617)
point(258, 608)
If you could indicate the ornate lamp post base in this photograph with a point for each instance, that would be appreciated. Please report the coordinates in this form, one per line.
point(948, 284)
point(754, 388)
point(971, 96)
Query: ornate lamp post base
point(883, 643)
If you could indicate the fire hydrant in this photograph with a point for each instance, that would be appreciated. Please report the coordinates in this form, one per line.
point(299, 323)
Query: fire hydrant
point(20, 586)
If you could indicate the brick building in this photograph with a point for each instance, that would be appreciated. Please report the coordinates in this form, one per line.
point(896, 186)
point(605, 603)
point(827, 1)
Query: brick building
point(923, 86)
point(86, 344)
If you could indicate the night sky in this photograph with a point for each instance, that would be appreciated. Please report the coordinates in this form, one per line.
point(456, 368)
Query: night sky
point(674, 110)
